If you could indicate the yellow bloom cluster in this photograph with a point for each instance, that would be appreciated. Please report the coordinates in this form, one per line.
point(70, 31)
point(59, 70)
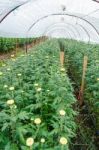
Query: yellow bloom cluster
point(10, 102)
point(39, 89)
point(46, 56)
point(63, 141)
point(8, 69)
point(12, 55)
point(48, 90)
point(36, 84)
point(5, 86)
point(42, 140)
point(37, 121)
point(19, 74)
point(62, 69)
point(62, 112)
point(1, 73)
point(11, 88)
point(29, 141)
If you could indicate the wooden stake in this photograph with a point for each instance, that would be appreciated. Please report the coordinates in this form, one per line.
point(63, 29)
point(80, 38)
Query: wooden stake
point(81, 93)
point(26, 46)
point(16, 45)
point(62, 55)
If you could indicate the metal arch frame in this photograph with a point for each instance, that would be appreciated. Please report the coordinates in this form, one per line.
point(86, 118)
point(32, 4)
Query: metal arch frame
point(13, 10)
point(66, 25)
point(81, 26)
point(65, 14)
point(95, 1)
point(67, 33)
point(85, 31)
point(53, 25)
point(52, 15)
point(62, 28)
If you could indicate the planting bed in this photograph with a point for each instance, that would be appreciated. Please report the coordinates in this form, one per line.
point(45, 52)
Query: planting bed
point(36, 102)
point(38, 109)
point(9, 44)
point(76, 52)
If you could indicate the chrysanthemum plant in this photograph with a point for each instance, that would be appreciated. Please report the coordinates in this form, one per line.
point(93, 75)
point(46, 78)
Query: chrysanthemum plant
point(36, 102)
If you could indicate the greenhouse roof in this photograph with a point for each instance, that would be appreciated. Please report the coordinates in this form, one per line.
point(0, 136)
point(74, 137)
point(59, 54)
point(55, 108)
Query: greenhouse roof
point(74, 19)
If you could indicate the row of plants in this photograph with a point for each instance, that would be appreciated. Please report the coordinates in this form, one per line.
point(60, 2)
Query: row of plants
point(8, 44)
point(75, 52)
point(36, 101)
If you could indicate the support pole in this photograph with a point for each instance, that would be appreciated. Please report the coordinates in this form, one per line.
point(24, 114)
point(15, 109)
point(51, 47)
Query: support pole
point(81, 93)
point(62, 55)
point(26, 46)
point(16, 44)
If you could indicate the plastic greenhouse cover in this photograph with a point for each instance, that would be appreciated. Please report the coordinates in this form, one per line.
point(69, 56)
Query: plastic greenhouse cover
point(74, 19)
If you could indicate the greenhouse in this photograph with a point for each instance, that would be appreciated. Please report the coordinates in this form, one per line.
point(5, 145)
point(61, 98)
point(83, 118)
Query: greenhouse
point(49, 74)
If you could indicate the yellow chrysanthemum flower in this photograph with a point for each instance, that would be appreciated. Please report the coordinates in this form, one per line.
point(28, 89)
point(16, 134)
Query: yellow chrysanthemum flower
point(63, 141)
point(11, 88)
point(8, 69)
point(36, 84)
point(42, 140)
point(37, 121)
point(62, 69)
point(48, 90)
point(12, 55)
point(10, 102)
point(46, 56)
point(19, 74)
point(62, 112)
point(1, 73)
point(29, 141)
point(5, 86)
point(39, 89)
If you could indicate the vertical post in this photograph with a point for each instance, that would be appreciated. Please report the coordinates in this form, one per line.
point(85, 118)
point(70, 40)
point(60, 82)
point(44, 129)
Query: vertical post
point(62, 55)
point(81, 93)
point(16, 45)
point(26, 45)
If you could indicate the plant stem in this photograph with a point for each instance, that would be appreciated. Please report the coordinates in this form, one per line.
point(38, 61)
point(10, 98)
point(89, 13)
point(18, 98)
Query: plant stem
point(31, 148)
point(37, 131)
point(62, 147)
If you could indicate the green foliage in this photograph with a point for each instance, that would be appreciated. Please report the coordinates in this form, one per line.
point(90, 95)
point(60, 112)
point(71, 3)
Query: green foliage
point(75, 52)
point(8, 44)
point(41, 101)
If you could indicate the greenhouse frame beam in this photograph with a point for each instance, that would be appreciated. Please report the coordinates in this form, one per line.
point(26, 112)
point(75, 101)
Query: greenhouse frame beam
point(96, 1)
point(60, 28)
point(85, 31)
point(67, 33)
point(65, 14)
point(13, 9)
point(66, 25)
